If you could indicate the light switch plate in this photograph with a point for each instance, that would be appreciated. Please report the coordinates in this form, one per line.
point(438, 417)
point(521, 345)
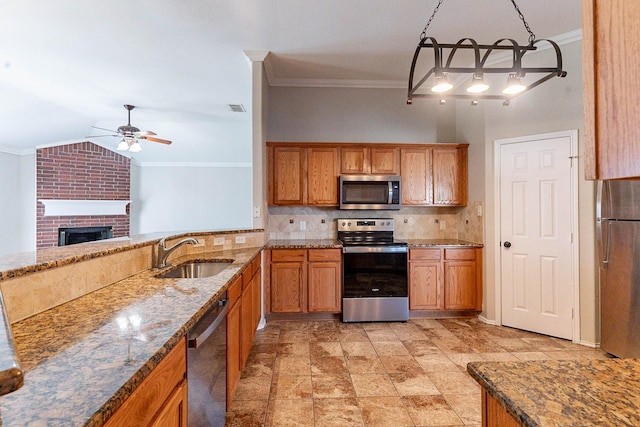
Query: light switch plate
point(479, 210)
point(217, 241)
point(303, 225)
point(256, 211)
point(443, 225)
point(241, 239)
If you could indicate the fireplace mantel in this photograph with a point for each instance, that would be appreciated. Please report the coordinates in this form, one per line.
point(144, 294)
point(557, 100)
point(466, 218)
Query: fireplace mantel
point(84, 207)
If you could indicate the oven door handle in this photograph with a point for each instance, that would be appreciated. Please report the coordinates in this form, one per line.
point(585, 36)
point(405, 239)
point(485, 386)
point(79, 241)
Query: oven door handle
point(369, 249)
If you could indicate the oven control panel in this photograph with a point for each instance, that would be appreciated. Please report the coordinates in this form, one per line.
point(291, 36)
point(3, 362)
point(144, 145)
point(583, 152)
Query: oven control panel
point(363, 224)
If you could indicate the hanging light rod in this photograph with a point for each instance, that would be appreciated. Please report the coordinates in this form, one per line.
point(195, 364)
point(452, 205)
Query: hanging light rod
point(437, 78)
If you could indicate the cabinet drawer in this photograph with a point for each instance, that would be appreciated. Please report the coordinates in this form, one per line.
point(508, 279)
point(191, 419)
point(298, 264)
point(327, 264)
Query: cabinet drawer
point(325, 254)
point(288, 255)
point(424, 254)
point(468, 254)
point(234, 291)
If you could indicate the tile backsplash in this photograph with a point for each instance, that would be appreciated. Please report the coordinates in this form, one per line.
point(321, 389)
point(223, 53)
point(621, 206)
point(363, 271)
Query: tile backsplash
point(287, 223)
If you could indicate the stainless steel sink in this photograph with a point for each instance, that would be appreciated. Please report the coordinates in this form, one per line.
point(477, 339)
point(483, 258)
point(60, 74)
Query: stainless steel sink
point(196, 269)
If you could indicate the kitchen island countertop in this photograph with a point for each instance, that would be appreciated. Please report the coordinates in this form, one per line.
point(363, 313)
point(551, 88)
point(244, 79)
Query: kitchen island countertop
point(599, 392)
point(82, 359)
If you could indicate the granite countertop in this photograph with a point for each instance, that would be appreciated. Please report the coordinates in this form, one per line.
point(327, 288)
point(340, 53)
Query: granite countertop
point(600, 392)
point(304, 244)
point(80, 365)
point(18, 264)
point(426, 243)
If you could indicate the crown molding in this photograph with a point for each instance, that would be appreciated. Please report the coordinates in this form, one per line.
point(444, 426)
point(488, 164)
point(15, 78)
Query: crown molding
point(192, 164)
point(17, 151)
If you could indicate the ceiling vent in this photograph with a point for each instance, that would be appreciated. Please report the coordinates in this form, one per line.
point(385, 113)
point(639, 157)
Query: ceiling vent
point(237, 108)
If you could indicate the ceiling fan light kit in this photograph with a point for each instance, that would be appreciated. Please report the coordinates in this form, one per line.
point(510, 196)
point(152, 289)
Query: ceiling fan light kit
point(131, 135)
point(437, 77)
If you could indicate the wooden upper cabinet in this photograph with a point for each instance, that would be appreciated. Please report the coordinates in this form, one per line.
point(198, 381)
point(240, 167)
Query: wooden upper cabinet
point(611, 88)
point(385, 161)
point(449, 167)
point(322, 177)
point(416, 176)
point(287, 175)
point(370, 160)
point(354, 161)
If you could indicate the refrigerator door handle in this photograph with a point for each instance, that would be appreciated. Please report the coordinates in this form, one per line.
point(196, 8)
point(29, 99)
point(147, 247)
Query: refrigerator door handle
point(603, 196)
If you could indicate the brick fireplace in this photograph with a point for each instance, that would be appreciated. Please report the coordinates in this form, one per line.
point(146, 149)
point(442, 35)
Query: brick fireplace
point(80, 172)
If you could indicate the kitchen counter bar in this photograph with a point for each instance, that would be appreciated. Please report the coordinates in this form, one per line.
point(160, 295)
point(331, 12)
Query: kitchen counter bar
point(600, 392)
point(331, 243)
point(84, 358)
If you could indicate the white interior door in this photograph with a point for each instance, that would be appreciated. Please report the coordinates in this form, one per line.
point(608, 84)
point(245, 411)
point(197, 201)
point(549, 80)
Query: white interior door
point(536, 236)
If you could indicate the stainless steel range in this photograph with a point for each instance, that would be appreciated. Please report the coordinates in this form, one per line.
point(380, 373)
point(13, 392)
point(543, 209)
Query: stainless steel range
point(374, 271)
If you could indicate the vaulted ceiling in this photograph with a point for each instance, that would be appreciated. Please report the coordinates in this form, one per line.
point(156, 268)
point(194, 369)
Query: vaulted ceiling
point(67, 65)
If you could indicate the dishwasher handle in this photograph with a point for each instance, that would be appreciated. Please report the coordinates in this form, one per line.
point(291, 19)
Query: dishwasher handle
point(196, 340)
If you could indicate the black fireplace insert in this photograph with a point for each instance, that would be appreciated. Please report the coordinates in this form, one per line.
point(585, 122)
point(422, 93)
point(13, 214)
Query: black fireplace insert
point(73, 235)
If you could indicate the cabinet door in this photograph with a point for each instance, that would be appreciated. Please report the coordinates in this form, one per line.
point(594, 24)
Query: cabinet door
point(324, 286)
point(416, 176)
point(322, 176)
point(234, 367)
point(256, 291)
point(174, 412)
point(460, 285)
point(288, 175)
point(354, 160)
point(287, 287)
point(449, 169)
point(611, 88)
point(424, 285)
point(246, 320)
point(385, 161)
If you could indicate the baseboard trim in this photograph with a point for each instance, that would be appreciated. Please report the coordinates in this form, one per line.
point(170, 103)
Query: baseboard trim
point(487, 321)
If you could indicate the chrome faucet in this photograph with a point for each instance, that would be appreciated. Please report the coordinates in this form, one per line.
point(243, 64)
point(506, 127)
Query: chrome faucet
point(163, 252)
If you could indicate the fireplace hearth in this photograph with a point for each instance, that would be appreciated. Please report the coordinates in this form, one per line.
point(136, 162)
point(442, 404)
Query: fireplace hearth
point(72, 235)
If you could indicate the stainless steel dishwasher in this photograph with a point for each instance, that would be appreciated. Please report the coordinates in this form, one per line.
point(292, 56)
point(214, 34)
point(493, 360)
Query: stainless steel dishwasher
point(207, 368)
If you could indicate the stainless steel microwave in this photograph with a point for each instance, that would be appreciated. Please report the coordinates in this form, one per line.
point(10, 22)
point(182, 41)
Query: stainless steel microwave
point(369, 192)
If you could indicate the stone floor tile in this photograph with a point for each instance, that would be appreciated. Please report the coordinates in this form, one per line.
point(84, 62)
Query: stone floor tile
point(468, 407)
point(367, 385)
point(384, 412)
point(358, 348)
point(430, 411)
point(291, 387)
point(247, 413)
point(454, 382)
point(329, 366)
point(332, 386)
point(365, 365)
point(413, 384)
point(337, 412)
point(290, 412)
point(398, 364)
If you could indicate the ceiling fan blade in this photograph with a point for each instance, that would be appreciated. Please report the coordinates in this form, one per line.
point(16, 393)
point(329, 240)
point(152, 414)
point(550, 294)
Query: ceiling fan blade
point(160, 140)
point(99, 136)
point(108, 130)
point(146, 133)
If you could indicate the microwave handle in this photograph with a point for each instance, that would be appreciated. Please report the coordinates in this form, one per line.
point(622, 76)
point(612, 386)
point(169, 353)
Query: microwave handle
point(390, 192)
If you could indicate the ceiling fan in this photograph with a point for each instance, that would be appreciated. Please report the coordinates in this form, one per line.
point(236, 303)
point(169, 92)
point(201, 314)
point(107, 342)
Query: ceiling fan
point(131, 134)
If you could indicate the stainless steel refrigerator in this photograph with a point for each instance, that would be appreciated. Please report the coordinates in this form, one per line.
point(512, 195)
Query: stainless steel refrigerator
point(618, 233)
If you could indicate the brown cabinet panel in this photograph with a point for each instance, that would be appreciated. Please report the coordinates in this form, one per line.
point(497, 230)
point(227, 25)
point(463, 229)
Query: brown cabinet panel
point(322, 176)
point(246, 324)
point(611, 88)
point(325, 255)
point(288, 175)
point(288, 281)
point(460, 285)
point(256, 289)
point(148, 400)
point(449, 176)
point(385, 161)
point(424, 289)
point(416, 176)
point(234, 360)
point(424, 254)
point(494, 414)
point(460, 254)
point(174, 412)
point(288, 255)
point(325, 293)
point(354, 160)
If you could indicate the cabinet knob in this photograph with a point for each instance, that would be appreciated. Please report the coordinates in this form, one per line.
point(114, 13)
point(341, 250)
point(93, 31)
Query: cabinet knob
point(507, 244)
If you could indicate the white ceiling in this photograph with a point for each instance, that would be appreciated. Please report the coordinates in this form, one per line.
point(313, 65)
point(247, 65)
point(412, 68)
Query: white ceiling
point(67, 65)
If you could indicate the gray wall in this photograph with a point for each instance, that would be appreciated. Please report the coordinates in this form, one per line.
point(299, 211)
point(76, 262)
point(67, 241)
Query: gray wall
point(17, 203)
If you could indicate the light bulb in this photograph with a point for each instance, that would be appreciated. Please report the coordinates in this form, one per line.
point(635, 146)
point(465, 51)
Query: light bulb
point(122, 145)
point(442, 84)
point(477, 85)
point(135, 147)
point(514, 85)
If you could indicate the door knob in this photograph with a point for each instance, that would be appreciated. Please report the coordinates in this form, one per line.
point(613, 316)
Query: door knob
point(507, 245)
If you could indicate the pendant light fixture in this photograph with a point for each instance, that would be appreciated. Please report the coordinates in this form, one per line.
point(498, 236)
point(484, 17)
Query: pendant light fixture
point(436, 79)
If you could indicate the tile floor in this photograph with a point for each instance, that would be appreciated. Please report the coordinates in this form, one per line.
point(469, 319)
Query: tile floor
point(328, 373)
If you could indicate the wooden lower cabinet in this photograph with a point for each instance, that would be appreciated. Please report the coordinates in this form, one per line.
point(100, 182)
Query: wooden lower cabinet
point(445, 279)
point(303, 281)
point(494, 415)
point(325, 283)
point(160, 400)
point(234, 331)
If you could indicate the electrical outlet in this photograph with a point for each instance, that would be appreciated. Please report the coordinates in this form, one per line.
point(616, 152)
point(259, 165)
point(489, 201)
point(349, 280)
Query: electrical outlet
point(217, 241)
point(479, 210)
point(303, 225)
point(241, 239)
point(256, 211)
point(443, 225)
